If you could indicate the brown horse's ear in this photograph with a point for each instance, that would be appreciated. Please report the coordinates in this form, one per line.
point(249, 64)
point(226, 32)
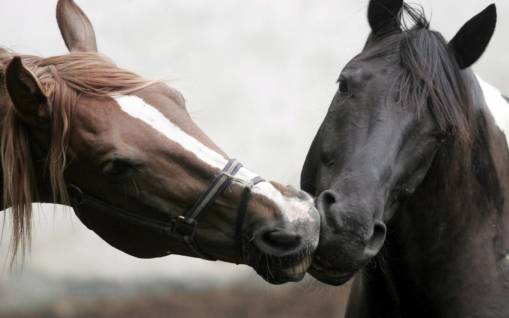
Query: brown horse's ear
point(383, 15)
point(26, 92)
point(473, 38)
point(75, 27)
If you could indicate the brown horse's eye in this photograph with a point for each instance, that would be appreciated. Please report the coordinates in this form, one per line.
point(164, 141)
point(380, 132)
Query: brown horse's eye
point(117, 168)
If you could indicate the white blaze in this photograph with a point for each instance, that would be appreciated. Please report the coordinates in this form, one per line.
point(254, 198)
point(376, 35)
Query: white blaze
point(292, 208)
point(137, 108)
point(497, 104)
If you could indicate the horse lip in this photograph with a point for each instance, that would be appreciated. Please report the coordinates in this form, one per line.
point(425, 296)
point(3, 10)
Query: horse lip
point(282, 276)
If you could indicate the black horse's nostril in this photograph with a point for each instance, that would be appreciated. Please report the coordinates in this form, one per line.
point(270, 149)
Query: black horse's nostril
point(278, 241)
point(375, 243)
point(327, 199)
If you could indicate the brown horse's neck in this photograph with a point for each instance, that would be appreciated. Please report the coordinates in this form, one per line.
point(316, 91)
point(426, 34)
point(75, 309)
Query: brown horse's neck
point(448, 246)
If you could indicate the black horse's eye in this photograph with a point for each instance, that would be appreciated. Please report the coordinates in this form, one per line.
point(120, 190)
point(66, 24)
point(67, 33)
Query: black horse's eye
point(343, 86)
point(328, 158)
point(117, 168)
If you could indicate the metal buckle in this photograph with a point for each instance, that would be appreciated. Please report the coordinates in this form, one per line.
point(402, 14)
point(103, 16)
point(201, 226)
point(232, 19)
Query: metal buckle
point(184, 227)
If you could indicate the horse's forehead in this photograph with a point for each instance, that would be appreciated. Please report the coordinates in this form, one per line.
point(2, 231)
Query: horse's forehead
point(169, 102)
point(152, 116)
point(373, 62)
point(96, 113)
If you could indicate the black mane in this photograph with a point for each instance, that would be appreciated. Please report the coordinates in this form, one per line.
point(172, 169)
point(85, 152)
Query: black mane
point(429, 75)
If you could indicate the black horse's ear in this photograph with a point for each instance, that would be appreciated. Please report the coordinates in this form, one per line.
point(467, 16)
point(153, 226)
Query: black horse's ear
point(26, 92)
point(75, 27)
point(472, 39)
point(383, 15)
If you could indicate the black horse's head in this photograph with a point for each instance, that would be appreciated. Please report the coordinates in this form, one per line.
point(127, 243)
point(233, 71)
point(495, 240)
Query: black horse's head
point(398, 101)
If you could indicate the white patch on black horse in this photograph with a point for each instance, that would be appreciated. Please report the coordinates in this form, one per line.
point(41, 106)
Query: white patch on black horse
point(497, 104)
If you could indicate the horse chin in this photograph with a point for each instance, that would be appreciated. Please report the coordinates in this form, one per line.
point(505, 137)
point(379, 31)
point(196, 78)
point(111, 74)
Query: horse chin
point(280, 277)
point(329, 275)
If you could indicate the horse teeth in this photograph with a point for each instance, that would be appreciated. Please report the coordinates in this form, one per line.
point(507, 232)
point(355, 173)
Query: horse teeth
point(299, 268)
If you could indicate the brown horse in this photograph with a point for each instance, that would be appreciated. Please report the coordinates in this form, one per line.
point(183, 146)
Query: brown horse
point(142, 175)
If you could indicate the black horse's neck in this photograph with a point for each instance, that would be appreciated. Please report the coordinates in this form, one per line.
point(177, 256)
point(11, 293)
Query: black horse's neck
point(449, 244)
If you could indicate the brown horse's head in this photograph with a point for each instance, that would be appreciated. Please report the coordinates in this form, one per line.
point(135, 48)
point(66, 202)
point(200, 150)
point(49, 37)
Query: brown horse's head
point(131, 145)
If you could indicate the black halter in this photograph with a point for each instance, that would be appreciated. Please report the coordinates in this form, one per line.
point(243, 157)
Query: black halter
point(183, 227)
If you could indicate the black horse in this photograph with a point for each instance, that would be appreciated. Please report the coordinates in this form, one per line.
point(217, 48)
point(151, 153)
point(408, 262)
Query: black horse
point(411, 166)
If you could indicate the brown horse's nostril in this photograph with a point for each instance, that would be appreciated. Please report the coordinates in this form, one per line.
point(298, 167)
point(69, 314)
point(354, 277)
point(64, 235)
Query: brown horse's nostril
point(282, 238)
point(278, 241)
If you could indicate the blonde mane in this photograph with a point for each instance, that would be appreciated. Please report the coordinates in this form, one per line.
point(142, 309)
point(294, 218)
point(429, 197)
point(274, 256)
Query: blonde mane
point(64, 79)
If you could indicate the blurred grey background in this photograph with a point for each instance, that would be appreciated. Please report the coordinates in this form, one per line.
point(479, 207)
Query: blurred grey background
point(270, 65)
